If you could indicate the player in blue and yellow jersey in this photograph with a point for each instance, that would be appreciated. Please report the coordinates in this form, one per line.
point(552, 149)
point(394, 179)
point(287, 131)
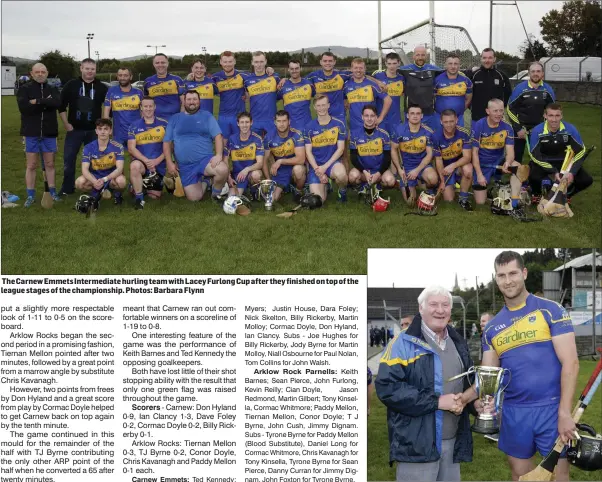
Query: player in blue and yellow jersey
point(360, 91)
point(453, 90)
point(197, 80)
point(102, 163)
point(263, 96)
point(231, 87)
point(287, 147)
point(245, 150)
point(193, 134)
point(534, 339)
point(370, 152)
point(296, 94)
point(145, 145)
point(452, 149)
point(419, 81)
point(395, 88)
point(164, 87)
point(124, 101)
point(412, 153)
point(493, 142)
point(324, 145)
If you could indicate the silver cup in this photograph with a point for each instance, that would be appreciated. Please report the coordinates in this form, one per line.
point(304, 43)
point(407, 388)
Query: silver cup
point(266, 191)
point(490, 390)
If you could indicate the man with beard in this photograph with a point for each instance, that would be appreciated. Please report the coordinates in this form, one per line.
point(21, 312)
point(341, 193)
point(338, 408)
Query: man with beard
point(164, 87)
point(124, 101)
point(526, 106)
point(38, 103)
point(296, 94)
point(370, 153)
point(287, 147)
point(192, 134)
point(533, 338)
point(453, 90)
point(83, 97)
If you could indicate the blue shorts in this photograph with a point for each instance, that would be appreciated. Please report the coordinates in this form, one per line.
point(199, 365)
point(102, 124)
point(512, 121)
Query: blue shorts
point(283, 176)
point(413, 183)
point(227, 125)
point(36, 145)
point(240, 184)
point(193, 173)
point(453, 178)
point(526, 430)
point(263, 127)
point(390, 127)
point(488, 171)
point(300, 124)
point(123, 142)
point(432, 120)
point(312, 178)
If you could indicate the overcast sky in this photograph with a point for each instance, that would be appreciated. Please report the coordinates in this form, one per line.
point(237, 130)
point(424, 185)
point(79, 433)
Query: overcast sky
point(418, 268)
point(123, 29)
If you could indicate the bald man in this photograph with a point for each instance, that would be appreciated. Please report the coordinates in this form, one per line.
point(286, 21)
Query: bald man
point(419, 86)
point(38, 103)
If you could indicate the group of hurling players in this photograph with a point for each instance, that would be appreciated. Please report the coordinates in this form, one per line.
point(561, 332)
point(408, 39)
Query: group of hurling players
point(358, 139)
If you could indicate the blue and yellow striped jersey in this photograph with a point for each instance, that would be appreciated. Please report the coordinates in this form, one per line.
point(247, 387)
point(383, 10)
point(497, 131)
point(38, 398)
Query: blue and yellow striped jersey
point(522, 339)
point(263, 95)
point(283, 147)
point(102, 163)
point(243, 153)
point(412, 145)
point(231, 91)
point(296, 99)
point(360, 94)
point(324, 138)
point(370, 147)
point(491, 141)
point(450, 149)
point(166, 92)
point(207, 91)
point(149, 139)
point(395, 90)
point(451, 93)
point(125, 107)
point(332, 86)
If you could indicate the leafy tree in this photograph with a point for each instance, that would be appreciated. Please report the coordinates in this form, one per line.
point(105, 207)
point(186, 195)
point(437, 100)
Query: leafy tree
point(575, 29)
point(535, 51)
point(501, 55)
point(60, 65)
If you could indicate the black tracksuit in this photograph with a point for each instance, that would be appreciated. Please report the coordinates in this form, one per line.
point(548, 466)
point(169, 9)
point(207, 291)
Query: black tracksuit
point(487, 84)
point(39, 119)
point(84, 101)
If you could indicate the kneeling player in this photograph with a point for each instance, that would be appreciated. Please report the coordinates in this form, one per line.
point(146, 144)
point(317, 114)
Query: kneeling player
point(370, 152)
point(145, 144)
point(413, 141)
point(492, 142)
point(102, 163)
point(245, 149)
point(324, 145)
point(452, 147)
point(287, 147)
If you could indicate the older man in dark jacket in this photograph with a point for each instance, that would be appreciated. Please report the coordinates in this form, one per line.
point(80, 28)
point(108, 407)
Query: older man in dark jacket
point(38, 102)
point(429, 431)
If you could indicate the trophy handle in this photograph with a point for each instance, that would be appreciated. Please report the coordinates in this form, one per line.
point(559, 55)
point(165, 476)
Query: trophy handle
point(498, 395)
point(470, 371)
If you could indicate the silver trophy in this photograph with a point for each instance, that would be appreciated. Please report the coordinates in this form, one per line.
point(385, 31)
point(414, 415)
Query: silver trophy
point(490, 390)
point(266, 191)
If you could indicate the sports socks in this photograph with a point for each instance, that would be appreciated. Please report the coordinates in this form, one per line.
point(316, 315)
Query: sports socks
point(463, 195)
point(140, 195)
point(31, 193)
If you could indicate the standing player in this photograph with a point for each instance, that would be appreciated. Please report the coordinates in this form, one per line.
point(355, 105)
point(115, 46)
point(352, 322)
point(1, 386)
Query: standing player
point(360, 91)
point(145, 145)
point(102, 163)
point(263, 96)
point(287, 147)
point(324, 145)
point(192, 134)
point(452, 147)
point(526, 106)
point(124, 101)
point(38, 102)
point(370, 152)
point(230, 85)
point(453, 90)
point(245, 149)
point(532, 337)
point(164, 87)
point(296, 94)
point(492, 143)
point(419, 86)
point(413, 141)
point(395, 87)
point(204, 85)
point(330, 82)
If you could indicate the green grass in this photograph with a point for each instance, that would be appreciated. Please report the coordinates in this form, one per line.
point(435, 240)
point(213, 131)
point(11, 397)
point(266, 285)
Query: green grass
point(176, 236)
point(488, 462)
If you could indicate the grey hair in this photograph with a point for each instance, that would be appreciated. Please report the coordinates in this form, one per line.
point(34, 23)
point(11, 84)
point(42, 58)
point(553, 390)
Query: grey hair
point(433, 290)
point(494, 101)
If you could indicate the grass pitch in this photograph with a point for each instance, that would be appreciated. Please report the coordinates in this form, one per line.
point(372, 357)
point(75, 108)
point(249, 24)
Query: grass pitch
point(488, 463)
point(176, 236)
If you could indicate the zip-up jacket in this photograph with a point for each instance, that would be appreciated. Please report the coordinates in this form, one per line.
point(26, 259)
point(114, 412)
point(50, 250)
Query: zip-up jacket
point(527, 104)
point(548, 149)
point(487, 84)
point(85, 101)
point(410, 382)
point(419, 86)
point(39, 119)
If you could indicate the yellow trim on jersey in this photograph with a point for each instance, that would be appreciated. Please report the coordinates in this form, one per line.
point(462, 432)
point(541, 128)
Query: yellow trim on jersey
point(115, 143)
point(413, 146)
point(205, 91)
point(150, 136)
point(284, 150)
point(453, 90)
point(531, 328)
point(264, 86)
point(363, 94)
point(104, 162)
point(497, 140)
point(297, 95)
point(246, 153)
point(231, 83)
point(131, 102)
point(330, 85)
point(453, 150)
point(373, 147)
point(329, 137)
point(522, 305)
point(169, 87)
